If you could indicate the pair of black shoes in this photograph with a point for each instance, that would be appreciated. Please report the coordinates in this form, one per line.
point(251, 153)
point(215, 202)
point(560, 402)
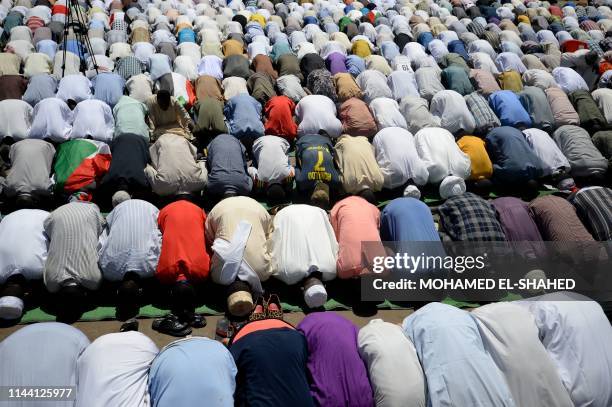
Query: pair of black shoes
point(179, 325)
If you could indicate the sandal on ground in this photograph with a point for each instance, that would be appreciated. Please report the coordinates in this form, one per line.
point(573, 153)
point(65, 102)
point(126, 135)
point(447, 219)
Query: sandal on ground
point(257, 316)
point(274, 313)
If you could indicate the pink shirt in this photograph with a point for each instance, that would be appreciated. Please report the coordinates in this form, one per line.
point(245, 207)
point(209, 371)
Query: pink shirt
point(355, 220)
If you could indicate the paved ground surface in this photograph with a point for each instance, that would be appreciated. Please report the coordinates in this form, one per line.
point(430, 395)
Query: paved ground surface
point(98, 328)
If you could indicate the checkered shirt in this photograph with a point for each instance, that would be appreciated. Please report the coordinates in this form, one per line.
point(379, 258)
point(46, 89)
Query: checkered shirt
point(468, 217)
point(129, 66)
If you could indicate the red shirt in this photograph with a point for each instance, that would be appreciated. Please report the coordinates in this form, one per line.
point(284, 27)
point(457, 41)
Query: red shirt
point(279, 118)
point(183, 252)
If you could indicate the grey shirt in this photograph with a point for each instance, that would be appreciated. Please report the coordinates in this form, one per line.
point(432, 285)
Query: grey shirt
point(73, 230)
point(227, 166)
point(31, 161)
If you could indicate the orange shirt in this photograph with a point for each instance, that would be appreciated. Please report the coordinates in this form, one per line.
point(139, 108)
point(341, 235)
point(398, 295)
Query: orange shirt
point(480, 163)
point(183, 252)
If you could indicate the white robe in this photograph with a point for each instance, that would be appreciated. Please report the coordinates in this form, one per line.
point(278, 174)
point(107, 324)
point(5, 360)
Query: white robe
point(316, 113)
point(52, 120)
point(114, 371)
point(437, 148)
point(453, 112)
point(547, 151)
point(23, 244)
point(43, 354)
point(510, 336)
point(393, 365)
point(93, 119)
point(15, 119)
point(397, 158)
point(578, 337)
point(303, 241)
point(387, 114)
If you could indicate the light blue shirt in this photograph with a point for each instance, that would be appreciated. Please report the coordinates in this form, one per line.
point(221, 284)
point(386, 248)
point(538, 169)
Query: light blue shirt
point(42, 354)
point(243, 113)
point(458, 369)
point(193, 372)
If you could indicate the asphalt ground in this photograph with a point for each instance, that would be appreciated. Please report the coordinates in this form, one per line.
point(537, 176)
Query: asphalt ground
point(95, 329)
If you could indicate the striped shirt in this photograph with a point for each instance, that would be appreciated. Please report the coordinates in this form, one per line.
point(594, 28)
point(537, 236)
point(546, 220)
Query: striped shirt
point(484, 117)
point(73, 231)
point(131, 240)
point(594, 207)
point(557, 220)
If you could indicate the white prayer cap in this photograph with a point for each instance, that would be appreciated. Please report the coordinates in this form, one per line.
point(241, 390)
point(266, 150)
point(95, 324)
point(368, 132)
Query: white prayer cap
point(315, 296)
point(451, 186)
point(10, 307)
point(412, 191)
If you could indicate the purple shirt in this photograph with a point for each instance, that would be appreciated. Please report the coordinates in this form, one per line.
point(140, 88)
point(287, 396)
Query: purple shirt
point(335, 63)
point(338, 376)
point(519, 226)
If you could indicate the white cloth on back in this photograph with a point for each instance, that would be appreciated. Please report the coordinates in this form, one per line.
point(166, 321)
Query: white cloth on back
point(393, 365)
point(437, 148)
point(397, 158)
point(23, 244)
point(577, 335)
point(114, 369)
point(303, 241)
point(510, 336)
point(231, 255)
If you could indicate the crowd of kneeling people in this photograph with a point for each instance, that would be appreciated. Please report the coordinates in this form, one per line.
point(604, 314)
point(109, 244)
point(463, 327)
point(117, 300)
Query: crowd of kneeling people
point(551, 351)
point(239, 244)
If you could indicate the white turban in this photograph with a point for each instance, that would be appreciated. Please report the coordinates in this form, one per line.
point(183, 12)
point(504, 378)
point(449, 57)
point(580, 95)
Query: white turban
point(452, 186)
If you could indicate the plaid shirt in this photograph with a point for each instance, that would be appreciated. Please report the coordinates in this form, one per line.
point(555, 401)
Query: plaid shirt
point(468, 217)
point(129, 66)
point(580, 11)
point(594, 46)
point(484, 117)
point(594, 207)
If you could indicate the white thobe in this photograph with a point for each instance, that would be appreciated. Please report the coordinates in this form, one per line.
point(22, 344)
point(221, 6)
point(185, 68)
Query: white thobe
point(547, 151)
point(387, 114)
point(453, 112)
point(509, 61)
point(93, 118)
point(577, 336)
point(393, 365)
point(211, 65)
point(76, 87)
point(23, 244)
point(397, 158)
point(113, 371)
point(270, 153)
point(569, 80)
point(316, 113)
point(510, 336)
point(437, 148)
point(303, 242)
point(15, 119)
point(52, 120)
